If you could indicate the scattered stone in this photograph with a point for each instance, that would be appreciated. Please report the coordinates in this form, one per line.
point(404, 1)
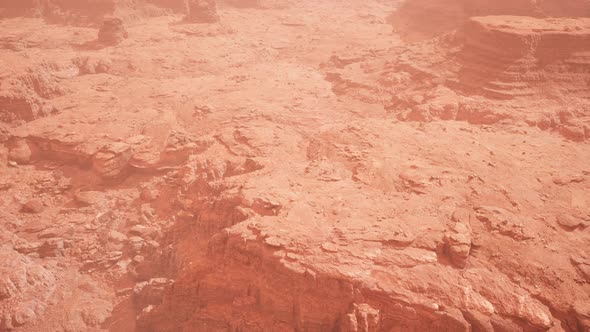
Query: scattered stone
point(51, 248)
point(23, 315)
point(114, 256)
point(569, 222)
point(361, 318)
point(94, 312)
point(138, 259)
point(112, 32)
point(142, 231)
point(112, 159)
point(124, 291)
point(458, 244)
point(54, 232)
point(25, 281)
point(117, 237)
point(399, 238)
point(150, 292)
point(504, 222)
point(414, 182)
point(136, 244)
point(88, 198)
point(329, 247)
point(275, 242)
point(479, 322)
point(147, 212)
point(151, 247)
point(20, 151)
point(25, 247)
point(35, 227)
point(572, 132)
point(34, 205)
point(149, 193)
point(266, 207)
point(565, 180)
point(103, 262)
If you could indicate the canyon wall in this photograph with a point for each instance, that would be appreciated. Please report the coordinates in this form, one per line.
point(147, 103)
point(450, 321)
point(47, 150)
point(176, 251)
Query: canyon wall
point(420, 19)
point(510, 56)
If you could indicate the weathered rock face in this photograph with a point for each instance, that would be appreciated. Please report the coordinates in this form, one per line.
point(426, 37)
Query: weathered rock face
point(202, 11)
point(245, 275)
point(24, 288)
point(112, 159)
point(18, 106)
point(508, 56)
point(26, 97)
point(419, 19)
point(112, 32)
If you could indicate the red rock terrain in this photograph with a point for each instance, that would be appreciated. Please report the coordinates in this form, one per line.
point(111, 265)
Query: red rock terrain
point(281, 165)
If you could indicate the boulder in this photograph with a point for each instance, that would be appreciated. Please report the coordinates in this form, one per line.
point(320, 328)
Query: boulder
point(112, 32)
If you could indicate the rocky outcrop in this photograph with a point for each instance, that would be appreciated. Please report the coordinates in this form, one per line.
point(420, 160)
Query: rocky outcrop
point(511, 56)
point(422, 19)
point(19, 106)
point(111, 161)
point(458, 241)
point(107, 159)
point(248, 275)
point(150, 293)
point(112, 32)
point(254, 267)
point(202, 11)
point(24, 288)
point(27, 96)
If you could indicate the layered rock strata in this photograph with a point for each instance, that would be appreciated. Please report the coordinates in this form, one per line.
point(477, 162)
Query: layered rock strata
point(510, 56)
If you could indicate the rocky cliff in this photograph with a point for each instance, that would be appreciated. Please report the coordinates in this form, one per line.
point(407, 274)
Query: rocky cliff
point(509, 56)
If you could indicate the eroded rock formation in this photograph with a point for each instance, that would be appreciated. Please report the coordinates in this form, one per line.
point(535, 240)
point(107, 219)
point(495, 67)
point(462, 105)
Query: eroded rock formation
point(202, 11)
point(422, 19)
point(509, 56)
point(112, 32)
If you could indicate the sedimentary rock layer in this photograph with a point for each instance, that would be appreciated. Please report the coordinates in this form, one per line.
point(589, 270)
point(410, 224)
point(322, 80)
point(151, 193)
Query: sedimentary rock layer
point(509, 56)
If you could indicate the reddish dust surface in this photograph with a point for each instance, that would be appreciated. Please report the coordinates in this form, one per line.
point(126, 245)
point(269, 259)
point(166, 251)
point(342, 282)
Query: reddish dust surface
point(282, 165)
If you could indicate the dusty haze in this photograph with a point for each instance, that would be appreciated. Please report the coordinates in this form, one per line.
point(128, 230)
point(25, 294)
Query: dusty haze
point(282, 165)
